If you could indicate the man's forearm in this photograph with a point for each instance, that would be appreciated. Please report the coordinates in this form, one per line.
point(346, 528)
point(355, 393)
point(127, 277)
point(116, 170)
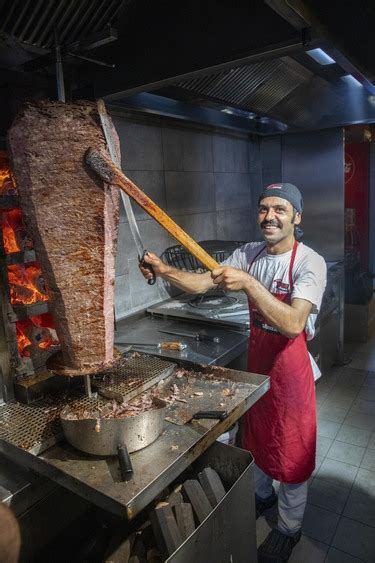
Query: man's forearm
point(280, 315)
point(188, 281)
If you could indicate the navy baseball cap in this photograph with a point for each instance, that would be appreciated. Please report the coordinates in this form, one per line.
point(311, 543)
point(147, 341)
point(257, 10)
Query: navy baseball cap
point(287, 191)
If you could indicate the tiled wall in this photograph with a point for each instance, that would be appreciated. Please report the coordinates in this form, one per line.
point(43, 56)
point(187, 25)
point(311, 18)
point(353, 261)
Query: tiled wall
point(206, 181)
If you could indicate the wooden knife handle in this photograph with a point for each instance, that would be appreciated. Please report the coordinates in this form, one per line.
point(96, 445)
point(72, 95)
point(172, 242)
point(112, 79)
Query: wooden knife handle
point(109, 173)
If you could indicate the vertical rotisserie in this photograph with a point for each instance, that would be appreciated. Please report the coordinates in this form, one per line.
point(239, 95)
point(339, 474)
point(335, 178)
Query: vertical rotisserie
point(73, 220)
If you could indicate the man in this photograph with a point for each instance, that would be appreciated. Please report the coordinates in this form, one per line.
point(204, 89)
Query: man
point(284, 281)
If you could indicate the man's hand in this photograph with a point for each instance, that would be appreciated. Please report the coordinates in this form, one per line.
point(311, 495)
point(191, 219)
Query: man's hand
point(230, 279)
point(158, 266)
point(190, 282)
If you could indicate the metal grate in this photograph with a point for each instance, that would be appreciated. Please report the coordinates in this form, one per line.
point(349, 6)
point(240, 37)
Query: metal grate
point(255, 87)
point(34, 21)
point(134, 375)
point(36, 427)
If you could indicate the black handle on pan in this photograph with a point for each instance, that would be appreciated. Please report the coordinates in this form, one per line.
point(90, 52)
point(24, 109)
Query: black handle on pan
point(147, 267)
point(216, 415)
point(126, 468)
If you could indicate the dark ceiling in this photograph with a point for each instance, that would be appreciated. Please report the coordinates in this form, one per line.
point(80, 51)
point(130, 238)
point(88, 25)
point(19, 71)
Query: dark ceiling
point(245, 55)
point(351, 24)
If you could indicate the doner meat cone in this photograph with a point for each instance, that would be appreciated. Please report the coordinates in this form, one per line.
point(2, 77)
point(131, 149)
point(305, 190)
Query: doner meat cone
point(73, 219)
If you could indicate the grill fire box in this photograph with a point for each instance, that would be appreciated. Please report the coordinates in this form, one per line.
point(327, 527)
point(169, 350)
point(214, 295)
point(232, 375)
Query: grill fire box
point(228, 533)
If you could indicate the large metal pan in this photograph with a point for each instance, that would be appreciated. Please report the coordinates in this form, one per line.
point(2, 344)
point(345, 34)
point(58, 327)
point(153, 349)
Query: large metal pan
point(111, 436)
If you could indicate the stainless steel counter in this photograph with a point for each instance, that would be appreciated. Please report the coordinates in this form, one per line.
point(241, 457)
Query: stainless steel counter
point(97, 479)
point(229, 310)
point(146, 329)
point(21, 488)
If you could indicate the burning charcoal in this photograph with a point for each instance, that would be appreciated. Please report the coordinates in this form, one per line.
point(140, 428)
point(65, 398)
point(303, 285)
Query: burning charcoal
point(15, 237)
point(73, 218)
point(26, 284)
point(7, 186)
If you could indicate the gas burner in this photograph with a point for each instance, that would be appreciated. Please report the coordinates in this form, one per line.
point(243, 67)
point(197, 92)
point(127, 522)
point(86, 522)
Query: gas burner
point(216, 299)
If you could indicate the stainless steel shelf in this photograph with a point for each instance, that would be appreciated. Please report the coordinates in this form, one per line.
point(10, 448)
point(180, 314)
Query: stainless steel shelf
point(155, 467)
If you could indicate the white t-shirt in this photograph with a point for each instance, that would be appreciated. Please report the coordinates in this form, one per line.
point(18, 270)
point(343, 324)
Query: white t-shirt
point(272, 271)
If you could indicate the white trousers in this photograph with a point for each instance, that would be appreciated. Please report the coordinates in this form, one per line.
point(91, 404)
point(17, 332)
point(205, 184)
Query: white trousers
point(291, 504)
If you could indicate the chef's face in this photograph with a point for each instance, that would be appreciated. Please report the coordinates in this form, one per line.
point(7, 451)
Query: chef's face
point(277, 219)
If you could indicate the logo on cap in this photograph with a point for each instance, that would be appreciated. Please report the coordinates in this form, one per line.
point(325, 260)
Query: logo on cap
point(274, 187)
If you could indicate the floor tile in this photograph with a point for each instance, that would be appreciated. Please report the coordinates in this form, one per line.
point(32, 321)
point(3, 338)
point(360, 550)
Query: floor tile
point(323, 445)
point(371, 443)
point(365, 481)
point(356, 539)
point(361, 507)
point(336, 556)
point(364, 362)
point(354, 377)
point(338, 402)
point(327, 428)
point(321, 392)
point(369, 381)
point(320, 399)
point(364, 406)
point(337, 472)
point(368, 461)
point(360, 420)
point(344, 391)
point(330, 496)
point(309, 551)
point(346, 453)
point(353, 435)
point(318, 462)
point(319, 524)
point(335, 414)
point(367, 393)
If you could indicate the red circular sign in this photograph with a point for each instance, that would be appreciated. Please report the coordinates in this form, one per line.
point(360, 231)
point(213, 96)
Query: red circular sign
point(349, 168)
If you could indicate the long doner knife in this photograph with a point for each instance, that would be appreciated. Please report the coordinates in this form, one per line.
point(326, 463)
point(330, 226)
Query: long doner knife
point(115, 156)
point(196, 335)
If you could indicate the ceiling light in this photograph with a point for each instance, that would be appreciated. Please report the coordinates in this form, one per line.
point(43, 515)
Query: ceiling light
point(350, 80)
point(320, 57)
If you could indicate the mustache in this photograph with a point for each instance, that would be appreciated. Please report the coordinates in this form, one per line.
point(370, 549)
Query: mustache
point(269, 223)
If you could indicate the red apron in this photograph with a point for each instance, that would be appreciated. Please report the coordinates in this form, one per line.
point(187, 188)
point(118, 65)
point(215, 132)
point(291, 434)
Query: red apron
point(280, 429)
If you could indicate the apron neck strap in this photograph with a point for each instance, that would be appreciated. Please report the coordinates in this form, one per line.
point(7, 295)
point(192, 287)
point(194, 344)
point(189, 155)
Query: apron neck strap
point(291, 264)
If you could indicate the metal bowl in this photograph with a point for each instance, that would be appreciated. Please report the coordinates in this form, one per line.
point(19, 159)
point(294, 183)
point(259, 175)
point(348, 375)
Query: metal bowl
point(102, 436)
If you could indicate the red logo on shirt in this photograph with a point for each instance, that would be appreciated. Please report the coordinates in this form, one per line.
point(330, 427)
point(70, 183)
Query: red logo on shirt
point(281, 286)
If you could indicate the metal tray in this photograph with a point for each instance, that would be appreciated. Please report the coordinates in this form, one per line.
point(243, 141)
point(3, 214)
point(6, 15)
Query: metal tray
point(97, 479)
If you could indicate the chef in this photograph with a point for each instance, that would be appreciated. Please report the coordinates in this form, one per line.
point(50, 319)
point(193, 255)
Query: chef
point(284, 281)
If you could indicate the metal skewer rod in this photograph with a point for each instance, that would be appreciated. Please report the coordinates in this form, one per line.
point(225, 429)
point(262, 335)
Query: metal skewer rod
point(87, 381)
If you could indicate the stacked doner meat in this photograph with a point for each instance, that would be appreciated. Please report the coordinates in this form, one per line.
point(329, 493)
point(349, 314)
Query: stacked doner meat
point(73, 219)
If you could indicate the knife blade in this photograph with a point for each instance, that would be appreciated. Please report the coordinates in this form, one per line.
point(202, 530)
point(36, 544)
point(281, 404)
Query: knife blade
point(160, 345)
point(115, 156)
point(196, 335)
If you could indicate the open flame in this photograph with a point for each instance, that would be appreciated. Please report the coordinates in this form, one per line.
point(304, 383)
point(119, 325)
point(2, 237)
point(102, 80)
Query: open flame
point(7, 184)
point(26, 284)
point(37, 331)
point(15, 237)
